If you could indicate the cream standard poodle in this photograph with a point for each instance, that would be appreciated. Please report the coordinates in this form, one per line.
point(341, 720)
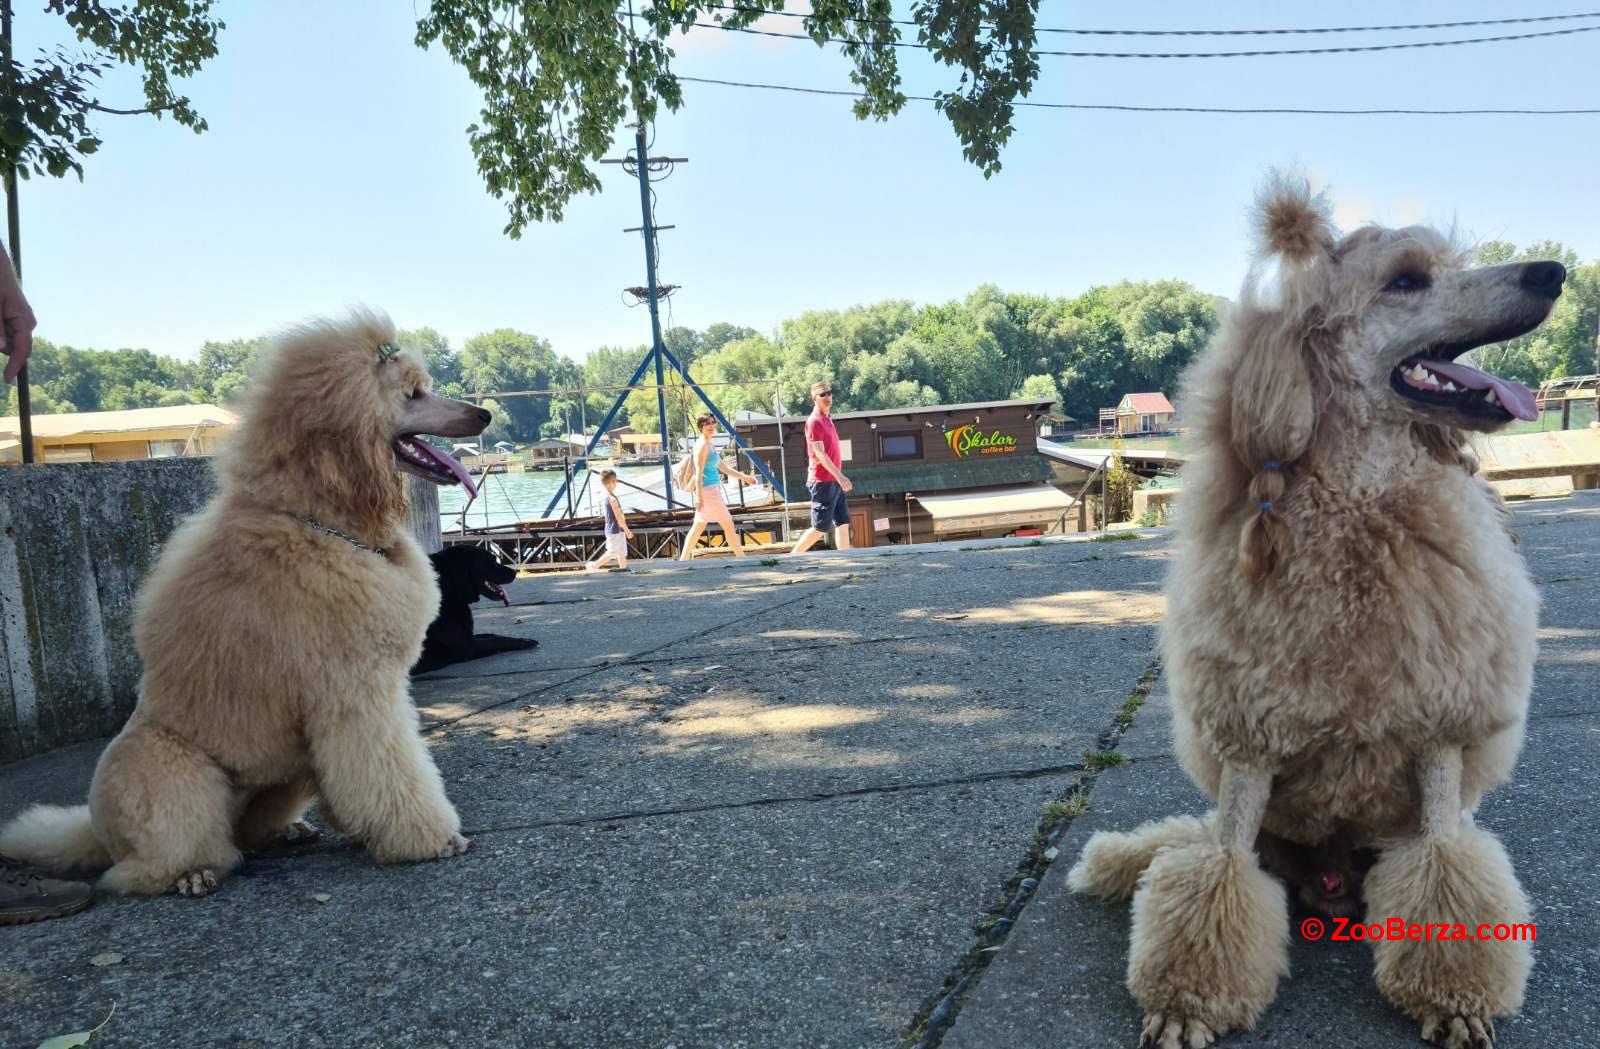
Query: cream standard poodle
point(1350, 632)
point(276, 631)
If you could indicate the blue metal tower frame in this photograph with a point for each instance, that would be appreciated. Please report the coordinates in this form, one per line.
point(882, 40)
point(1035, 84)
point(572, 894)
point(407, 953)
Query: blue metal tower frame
point(659, 356)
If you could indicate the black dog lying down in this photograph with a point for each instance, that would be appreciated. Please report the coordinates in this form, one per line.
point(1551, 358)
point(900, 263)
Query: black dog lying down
point(465, 574)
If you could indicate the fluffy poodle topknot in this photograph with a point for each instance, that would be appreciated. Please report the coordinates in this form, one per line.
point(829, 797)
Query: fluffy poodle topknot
point(1292, 223)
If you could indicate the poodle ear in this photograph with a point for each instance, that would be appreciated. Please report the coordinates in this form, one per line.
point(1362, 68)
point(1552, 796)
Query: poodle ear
point(1273, 416)
point(1290, 222)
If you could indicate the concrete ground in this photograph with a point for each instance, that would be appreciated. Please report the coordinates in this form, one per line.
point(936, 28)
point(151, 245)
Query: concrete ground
point(795, 802)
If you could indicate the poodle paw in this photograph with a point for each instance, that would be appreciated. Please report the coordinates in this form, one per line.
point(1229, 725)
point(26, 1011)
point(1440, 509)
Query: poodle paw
point(197, 882)
point(456, 846)
point(1172, 1031)
point(1458, 1031)
point(299, 831)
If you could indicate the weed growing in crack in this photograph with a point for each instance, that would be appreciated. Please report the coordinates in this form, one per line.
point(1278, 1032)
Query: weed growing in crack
point(1095, 760)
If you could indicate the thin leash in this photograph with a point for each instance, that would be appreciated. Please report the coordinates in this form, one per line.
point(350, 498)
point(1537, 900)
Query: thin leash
point(311, 522)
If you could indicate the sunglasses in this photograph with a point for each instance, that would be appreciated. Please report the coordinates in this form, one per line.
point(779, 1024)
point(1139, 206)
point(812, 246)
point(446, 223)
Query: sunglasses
point(824, 393)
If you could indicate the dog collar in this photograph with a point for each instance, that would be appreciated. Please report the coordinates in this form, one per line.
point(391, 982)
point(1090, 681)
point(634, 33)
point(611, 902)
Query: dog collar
point(310, 522)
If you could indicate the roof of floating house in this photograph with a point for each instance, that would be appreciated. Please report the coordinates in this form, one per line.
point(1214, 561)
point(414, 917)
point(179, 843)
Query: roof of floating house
point(1147, 404)
point(132, 420)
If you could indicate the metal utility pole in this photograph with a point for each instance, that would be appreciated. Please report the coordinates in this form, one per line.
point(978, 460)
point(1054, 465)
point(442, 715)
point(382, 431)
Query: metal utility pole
point(14, 239)
point(659, 354)
point(642, 165)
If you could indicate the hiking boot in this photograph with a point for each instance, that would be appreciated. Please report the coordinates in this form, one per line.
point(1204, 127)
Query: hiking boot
point(28, 897)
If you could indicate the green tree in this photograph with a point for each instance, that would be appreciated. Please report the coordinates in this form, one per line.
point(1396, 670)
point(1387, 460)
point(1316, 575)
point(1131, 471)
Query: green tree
point(142, 393)
point(829, 344)
point(65, 379)
point(753, 359)
point(505, 360)
point(685, 344)
point(610, 366)
point(223, 370)
point(1084, 352)
point(560, 76)
point(435, 349)
point(47, 103)
point(965, 358)
point(891, 379)
point(1117, 339)
point(720, 334)
point(141, 379)
point(39, 401)
point(682, 407)
point(567, 412)
point(499, 428)
point(65, 376)
point(1038, 388)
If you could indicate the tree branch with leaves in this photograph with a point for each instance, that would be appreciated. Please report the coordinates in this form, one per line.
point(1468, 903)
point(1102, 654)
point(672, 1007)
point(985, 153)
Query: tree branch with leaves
point(560, 76)
point(47, 101)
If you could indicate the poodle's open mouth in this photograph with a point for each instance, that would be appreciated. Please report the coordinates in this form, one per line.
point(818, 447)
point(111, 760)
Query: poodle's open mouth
point(1436, 379)
point(426, 462)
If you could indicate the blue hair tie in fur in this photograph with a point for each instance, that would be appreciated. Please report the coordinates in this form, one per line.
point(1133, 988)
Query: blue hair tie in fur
point(1272, 464)
point(386, 351)
point(1266, 506)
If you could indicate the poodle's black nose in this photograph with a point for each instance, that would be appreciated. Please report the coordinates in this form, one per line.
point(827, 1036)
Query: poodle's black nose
point(1544, 278)
point(484, 416)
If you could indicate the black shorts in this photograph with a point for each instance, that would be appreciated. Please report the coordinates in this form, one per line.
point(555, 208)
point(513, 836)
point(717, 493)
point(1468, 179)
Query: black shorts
point(828, 505)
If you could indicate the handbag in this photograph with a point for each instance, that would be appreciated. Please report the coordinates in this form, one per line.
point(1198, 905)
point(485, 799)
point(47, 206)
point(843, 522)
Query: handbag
point(684, 475)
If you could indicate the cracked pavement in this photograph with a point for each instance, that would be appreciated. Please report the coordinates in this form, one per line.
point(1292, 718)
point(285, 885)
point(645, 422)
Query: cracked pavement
point(754, 804)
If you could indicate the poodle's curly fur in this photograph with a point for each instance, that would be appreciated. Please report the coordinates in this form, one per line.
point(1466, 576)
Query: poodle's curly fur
point(1350, 632)
point(276, 654)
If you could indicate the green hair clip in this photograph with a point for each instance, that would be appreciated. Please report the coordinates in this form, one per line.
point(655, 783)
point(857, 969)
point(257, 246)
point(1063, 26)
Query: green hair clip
point(386, 351)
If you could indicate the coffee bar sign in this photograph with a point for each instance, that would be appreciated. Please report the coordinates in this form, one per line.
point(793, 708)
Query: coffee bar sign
point(969, 440)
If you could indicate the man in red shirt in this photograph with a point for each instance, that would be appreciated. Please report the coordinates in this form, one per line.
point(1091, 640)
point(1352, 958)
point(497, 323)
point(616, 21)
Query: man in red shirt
point(825, 478)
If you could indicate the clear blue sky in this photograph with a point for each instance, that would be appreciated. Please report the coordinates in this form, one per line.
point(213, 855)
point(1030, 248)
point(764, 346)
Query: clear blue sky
point(337, 171)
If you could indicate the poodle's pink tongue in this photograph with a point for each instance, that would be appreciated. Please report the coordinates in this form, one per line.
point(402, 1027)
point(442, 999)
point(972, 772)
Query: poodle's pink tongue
point(1514, 397)
point(449, 463)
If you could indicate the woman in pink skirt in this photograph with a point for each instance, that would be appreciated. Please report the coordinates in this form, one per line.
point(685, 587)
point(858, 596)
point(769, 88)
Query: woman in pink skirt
point(709, 504)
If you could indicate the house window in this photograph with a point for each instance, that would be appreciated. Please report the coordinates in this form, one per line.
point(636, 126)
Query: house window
point(166, 449)
point(893, 446)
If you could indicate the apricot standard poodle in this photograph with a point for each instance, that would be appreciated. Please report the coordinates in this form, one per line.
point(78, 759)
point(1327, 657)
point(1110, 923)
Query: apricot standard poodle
point(276, 632)
point(1350, 633)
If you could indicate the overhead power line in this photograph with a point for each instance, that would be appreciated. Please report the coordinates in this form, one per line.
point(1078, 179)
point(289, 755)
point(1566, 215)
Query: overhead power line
point(1174, 109)
point(1223, 32)
point(1349, 49)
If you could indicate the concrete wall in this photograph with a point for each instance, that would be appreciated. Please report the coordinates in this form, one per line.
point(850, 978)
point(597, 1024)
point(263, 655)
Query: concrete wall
point(76, 539)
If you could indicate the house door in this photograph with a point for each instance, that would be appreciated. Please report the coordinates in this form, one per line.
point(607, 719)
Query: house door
point(860, 528)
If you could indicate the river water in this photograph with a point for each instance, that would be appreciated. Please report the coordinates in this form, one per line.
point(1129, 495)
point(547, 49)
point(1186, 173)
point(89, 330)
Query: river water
point(506, 498)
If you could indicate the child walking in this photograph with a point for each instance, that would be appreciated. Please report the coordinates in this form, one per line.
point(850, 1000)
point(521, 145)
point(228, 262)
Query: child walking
point(617, 531)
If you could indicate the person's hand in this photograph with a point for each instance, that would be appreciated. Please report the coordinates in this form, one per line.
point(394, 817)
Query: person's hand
point(628, 532)
point(844, 482)
point(16, 322)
